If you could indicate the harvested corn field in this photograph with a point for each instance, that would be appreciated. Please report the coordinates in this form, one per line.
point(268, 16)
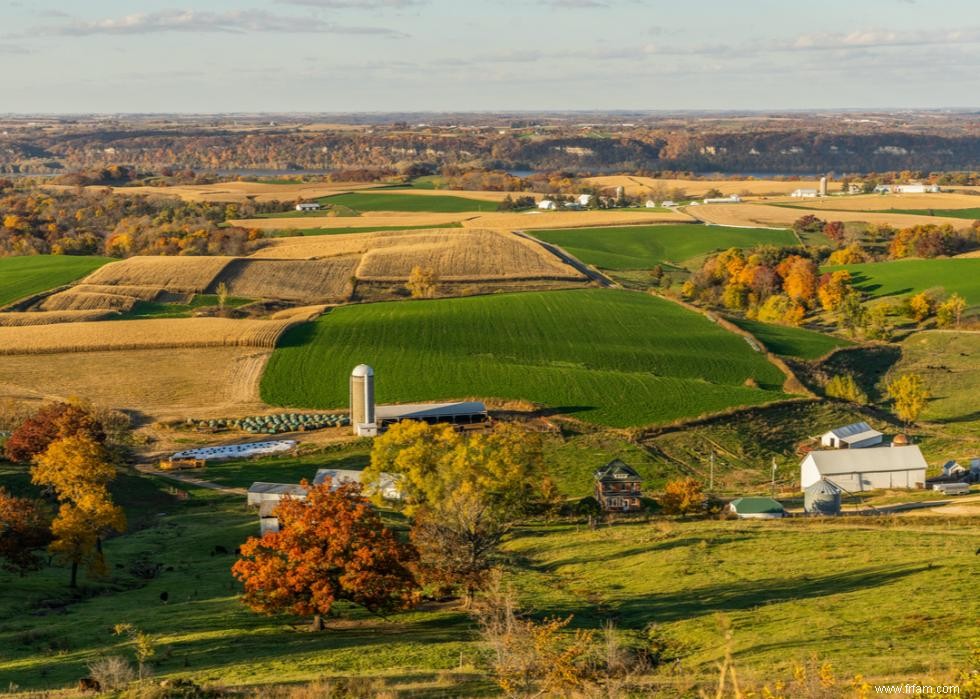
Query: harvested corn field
point(641, 186)
point(50, 317)
point(185, 274)
point(290, 280)
point(240, 191)
point(381, 219)
point(783, 216)
point(71, 300)
point(140, 334)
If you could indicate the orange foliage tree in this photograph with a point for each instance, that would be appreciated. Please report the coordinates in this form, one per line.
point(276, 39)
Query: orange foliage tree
point(682, 497)
point(330, 547)
point(24, 529)
point(52, 422)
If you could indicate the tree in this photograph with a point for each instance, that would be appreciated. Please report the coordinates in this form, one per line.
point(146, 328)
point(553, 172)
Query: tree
point(77, 468)
point(222, 296)
point(844, 386)
point(422, 283)
point(921, 306)
point(682, 497)
point(848, 255)
point(25, 528)
point(910, 395)
point(833, 289)
point(51, 422)
point(950, 311)
point(143, 647)
point(834, 230)
point(330, 547)
point(853, 314)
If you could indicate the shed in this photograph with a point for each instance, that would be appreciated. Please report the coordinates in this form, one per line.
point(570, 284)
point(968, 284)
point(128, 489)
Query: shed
point(856, 470)
point(261, 492)
point(853, 436)
point(547, 205)
point(805, 193)
point(458, 413)
point(308, 206)
point(756, 508)
point(268, 522)
point(822, 498)
point(584, 199)
point(951, 469)
point(389, 484)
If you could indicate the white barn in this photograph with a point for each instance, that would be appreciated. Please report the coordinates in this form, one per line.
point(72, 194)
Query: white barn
point(733, 199)
point(261, 492)
point(308, 206)
point(915, 188)
point(547, 205)
point(805, 193)
point(387, 485)
point(854, 436)
point(856, 470)
point(584, 199)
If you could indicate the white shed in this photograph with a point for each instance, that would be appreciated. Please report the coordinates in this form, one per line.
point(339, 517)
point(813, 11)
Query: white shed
point(261, 492)
point(308, 206)
point(805, 193)
point(856, 470)
point(388, 483)
point(854, 436)
point(584, 199)
point(547, 205)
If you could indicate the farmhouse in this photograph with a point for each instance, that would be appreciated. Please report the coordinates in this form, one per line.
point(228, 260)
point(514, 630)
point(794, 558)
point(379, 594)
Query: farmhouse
point(666, 204)
point(733, 199)
point(856, 470)
point(854, 436)
point(261, 492)
point(805, 193)
point(388, 485)
point(308, 206)
point(756, 508)
point(547, 205)
point(618, 487)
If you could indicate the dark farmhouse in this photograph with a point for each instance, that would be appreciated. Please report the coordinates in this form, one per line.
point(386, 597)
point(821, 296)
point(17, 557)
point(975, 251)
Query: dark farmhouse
point(618, 487)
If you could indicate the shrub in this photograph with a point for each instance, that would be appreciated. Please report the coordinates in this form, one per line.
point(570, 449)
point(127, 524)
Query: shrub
point(844, 386)
point(112, 672)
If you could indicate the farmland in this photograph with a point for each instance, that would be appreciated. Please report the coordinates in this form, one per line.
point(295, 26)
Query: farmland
point(643, 247)
point(791, 342)
point(949, 362)
point(387, 201)
point(782, 215)
point(21, 277)
point(610, 357)
point(900, 277)
point(642, 186)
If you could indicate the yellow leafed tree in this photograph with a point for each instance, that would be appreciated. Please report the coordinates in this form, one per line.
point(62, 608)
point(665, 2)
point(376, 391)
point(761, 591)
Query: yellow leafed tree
point(910, 395)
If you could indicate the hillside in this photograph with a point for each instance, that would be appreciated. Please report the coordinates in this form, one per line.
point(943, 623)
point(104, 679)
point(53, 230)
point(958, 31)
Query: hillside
point(21, 277)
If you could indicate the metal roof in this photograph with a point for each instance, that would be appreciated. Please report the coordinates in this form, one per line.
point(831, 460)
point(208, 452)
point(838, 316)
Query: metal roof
point(875, 459)
point(856, 432)
point(420, 411)
point(755, 506)
point(277, 488)
point(617, 470)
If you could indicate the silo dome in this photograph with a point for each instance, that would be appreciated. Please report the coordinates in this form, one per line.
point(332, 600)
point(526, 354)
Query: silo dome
point(362, 371)
point(900, 440)
point(822, 498)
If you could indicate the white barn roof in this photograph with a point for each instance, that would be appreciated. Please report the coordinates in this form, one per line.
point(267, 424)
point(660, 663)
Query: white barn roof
point(856, 432)
point(421, 411)
point(879, 459)
point(278, 489)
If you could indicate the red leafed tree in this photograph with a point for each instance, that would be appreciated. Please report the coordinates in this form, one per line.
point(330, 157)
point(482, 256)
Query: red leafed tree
point(25, 528)
point(52, 422)
point(330, 547)
point(834, 230)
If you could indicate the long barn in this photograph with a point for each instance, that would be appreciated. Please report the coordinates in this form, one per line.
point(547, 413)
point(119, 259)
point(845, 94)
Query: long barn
point(855, 470)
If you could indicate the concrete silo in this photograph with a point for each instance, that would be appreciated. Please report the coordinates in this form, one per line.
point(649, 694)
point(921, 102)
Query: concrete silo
point(823, 186)
point(822, 498)
point(362, 400)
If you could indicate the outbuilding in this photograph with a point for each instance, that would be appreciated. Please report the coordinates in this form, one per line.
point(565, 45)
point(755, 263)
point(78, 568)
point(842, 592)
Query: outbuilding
point(854, 436)
point(261, 492)
point(857, 470)
point(388, 485)
point(547, 205)
point(308, 206)
point(756, 508)
point(822, 498)
point(805, 193)
point(461, 413)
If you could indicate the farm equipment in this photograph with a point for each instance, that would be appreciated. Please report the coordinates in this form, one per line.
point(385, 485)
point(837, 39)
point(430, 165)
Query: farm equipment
point(182, 464)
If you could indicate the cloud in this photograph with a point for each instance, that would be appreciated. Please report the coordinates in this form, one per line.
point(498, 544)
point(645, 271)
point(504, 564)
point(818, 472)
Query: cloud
point(356, 4)
point(879, 38)
point(203, 22)
point(576, 4)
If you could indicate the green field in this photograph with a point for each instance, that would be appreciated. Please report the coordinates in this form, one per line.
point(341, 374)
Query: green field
point(900, 277)
point(291, 233)
point(611, 357)
point(791, 342)
point(21, 277)
point(973, 213)
point(860, 594)
point(381, 201)
point(154, 309)
point(949, 362)
point(643, 247)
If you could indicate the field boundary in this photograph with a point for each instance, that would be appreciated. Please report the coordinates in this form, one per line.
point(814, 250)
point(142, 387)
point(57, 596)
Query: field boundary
point(588, 270)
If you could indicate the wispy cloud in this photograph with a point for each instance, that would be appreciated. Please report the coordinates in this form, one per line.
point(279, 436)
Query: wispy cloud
point(357, 4)
point(204, 22)
point(879, 38)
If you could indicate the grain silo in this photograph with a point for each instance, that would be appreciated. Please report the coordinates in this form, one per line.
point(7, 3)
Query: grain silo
point(822, 498)
point(823, 186)
point(362, 400)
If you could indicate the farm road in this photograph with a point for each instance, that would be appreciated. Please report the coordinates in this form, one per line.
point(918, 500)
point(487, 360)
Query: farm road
point(189, 480)
point(572, 261)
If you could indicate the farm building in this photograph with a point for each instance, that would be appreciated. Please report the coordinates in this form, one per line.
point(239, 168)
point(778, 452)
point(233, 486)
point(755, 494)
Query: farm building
point(308, 206)
point(460, 413)
point(915, 188)
point(823, 186)
point(822, 498)
point(618, 487)
point(387, 485)
point(855, 436)
point(856, 470)
point(261, 492)
point(268, 522)
point(584, 199)
point(733, 199)
point(651, 204)
point(547, 205)
point(805, 193)
point(756, 508)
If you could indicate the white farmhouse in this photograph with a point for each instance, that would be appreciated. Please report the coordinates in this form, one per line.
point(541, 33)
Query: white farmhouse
point(856, 470)
point(854, 436)
point(805, 193)
point(547, 205)
point(666, 204)
point(308, 206)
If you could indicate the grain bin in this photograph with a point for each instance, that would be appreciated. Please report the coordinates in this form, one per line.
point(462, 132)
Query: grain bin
point(822, 498)
point(362, 399)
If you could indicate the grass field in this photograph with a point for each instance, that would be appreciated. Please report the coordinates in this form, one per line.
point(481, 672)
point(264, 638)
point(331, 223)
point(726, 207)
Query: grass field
point(21, 277)
point(610, 357)
point(643, 247)
point(949, 362)
point(287, 233)
point(791, 342)
point(865, 588)
point(900, 277)
point(973, 213)
point(384, 201)
point(155, 309)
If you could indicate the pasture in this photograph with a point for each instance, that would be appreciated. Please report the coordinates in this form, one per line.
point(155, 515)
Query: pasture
point(901, 277)
point(643, 247)
point(610, 357)
point(866, 589)
point(949, 362)
point(786, 341)
point(21, 277)
point(409, 202)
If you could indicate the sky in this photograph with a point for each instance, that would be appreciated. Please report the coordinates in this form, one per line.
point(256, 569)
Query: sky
point(190, 56)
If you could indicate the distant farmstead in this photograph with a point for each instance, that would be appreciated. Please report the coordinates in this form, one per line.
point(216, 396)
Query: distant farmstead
point(805, 193)
point(733, 199)
point(308, 206)
point(547, 205)
point(618, 487)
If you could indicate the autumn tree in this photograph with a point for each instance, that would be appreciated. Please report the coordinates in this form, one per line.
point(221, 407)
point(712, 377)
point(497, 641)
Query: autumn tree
point(922, 305)
point(834, 230)
point(51, 422)
point(422, 283)
point(910, 395)
point(78, 470)
point(844, 386)
point(833, 288)
point(950, 311)
point(25, 529)
point(682, 497)
point(848, 255)
point(330, 547)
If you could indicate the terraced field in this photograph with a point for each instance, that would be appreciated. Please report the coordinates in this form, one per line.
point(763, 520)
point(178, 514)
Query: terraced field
point(791, 342)
point(642, 247)
point(21, 277)
point(610, 357)
point(900, 277)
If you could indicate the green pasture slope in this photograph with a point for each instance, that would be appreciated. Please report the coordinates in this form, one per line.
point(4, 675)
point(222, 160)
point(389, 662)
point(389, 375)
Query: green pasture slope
point(791, 342)
point(23, 276)
point(973, 213)
point(383, 201)
point(611, 357)
point(643, 247)
point(900, 277)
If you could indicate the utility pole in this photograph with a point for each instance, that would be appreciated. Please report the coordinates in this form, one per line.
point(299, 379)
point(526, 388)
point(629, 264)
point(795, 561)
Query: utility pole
point(774, 476)
point(711, 477)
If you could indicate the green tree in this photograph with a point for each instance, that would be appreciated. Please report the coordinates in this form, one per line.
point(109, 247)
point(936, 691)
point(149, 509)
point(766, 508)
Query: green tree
point(844, 386)
point(910, 395)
